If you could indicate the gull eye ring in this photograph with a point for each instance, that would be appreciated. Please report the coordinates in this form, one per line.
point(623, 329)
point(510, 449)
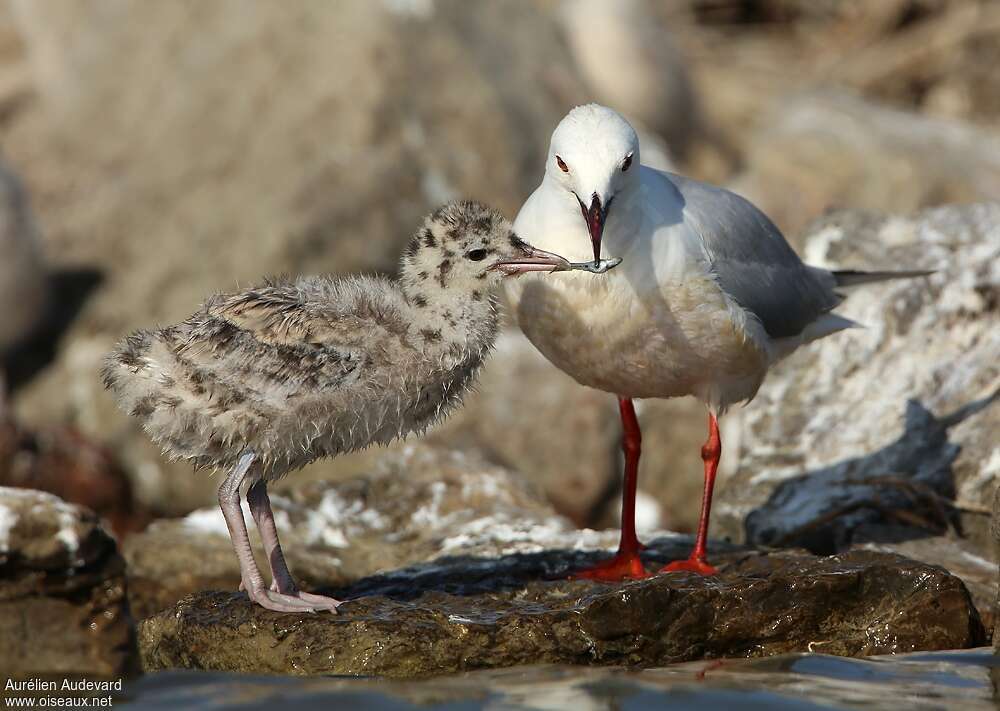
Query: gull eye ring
point(627, 163)
point(562, 164)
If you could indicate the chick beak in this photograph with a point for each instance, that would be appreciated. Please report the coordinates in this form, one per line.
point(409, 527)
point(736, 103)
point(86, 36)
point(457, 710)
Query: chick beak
point(534, 260)
point(595, 217)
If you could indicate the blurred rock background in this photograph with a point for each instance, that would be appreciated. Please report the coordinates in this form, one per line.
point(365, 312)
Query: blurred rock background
point(169, 150)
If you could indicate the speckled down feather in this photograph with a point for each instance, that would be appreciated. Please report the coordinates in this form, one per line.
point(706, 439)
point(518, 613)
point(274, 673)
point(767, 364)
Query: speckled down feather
point(295, 370)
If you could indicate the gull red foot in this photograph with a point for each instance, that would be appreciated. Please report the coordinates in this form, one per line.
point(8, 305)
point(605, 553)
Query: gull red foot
point(624, 566)
point(691, 565)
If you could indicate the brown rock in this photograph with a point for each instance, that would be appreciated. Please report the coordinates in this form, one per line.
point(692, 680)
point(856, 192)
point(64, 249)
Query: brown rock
point(961, 558)
point(939, 64)
point(62, 590)
point(63, 462)
point(473, 613)
point(633, 65)
point(820, 151)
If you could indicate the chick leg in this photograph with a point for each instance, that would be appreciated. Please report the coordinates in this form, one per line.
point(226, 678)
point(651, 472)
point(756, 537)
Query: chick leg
point(281, 580)
point(251, 580)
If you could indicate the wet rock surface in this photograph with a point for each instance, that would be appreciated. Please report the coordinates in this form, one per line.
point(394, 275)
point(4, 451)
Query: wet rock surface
point(961, 558)
point(62, 590)
point(462, 614)
point(891, 424)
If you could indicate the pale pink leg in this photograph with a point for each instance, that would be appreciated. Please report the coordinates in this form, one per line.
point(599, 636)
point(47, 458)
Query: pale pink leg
point(281, 580)
point(251, 580)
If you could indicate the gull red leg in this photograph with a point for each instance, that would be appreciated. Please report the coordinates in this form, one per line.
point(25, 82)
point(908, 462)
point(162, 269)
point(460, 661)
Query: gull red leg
point(626, 563)
point(710, 453)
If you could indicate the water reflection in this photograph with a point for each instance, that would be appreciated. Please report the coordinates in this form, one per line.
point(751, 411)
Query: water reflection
point(793, 682)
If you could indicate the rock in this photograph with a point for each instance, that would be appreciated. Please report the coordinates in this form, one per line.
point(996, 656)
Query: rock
point(960, 558)
point(995, 532)
point(63, 462)
point(938, 64)
point(894, 423)
point(323, 160)
point(632, 64)
point(471, 613)
point(826, 150)
point(62, 590)
point(23, 279)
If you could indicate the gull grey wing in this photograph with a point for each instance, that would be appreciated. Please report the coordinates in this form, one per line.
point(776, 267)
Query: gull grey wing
point(753, 262)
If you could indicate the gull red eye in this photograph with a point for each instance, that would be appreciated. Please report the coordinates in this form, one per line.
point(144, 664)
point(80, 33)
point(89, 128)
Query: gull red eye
point(627, 163)
point(562, 164)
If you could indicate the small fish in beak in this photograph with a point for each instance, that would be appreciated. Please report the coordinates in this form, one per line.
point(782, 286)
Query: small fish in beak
point(538, 260)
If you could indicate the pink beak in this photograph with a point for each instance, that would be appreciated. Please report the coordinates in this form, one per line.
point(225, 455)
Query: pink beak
point(535, 260)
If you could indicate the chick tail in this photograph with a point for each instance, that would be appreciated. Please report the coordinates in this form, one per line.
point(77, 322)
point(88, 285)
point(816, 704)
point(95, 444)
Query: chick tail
point(850, 277)
point(126, 361)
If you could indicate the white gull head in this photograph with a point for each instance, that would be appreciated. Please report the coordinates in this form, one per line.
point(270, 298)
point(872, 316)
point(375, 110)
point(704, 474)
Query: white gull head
point(594, 158)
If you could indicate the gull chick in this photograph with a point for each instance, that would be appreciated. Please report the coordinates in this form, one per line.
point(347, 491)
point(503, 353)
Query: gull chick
point(708, 297)
point(264, 381)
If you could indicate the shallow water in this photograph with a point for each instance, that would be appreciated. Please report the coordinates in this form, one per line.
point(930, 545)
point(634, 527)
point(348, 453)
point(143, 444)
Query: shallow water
point(932, 680)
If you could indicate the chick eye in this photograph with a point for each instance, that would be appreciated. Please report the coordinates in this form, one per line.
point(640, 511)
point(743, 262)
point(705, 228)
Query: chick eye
point(562, 164)
point(627, 163)
point(476, 255)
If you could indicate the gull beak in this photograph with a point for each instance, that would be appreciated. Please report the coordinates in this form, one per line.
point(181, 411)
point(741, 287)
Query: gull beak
point(595, 215)
point(535, 260)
